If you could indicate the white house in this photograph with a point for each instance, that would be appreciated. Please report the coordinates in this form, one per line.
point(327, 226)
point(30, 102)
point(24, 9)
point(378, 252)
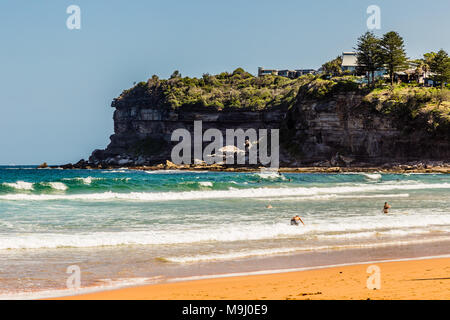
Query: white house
point(349, 61)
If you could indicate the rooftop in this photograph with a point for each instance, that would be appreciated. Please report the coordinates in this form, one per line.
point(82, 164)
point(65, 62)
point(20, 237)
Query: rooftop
point(349, 59)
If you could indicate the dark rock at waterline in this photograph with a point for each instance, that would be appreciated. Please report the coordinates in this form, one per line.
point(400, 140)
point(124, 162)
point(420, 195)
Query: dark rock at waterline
point(43, 165)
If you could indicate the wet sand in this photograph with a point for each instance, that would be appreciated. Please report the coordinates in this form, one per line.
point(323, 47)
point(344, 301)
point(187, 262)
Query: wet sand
point(412, 279)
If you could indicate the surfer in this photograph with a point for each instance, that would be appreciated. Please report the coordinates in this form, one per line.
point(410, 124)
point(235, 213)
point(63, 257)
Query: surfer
point(295, 220)
point(386, 208)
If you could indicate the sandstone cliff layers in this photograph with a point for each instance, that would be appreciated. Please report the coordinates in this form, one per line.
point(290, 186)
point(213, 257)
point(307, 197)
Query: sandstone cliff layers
point(337, 129)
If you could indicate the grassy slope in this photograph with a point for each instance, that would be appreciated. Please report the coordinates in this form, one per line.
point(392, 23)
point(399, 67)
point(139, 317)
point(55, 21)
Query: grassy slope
point(414, 108)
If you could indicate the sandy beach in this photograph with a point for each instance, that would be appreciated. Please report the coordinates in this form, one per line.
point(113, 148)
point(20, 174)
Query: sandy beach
point(413, 279)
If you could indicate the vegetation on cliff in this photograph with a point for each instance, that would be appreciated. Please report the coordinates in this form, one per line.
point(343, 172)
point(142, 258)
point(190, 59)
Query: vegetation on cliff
point(410, 106)
point(413, 108)
point(239, 89)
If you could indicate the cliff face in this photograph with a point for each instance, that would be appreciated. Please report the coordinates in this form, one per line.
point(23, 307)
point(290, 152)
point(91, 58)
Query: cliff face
point(143, 134)
point(339, 129)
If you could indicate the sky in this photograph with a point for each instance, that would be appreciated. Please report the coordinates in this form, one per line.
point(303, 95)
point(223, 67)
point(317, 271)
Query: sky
point(57, 84)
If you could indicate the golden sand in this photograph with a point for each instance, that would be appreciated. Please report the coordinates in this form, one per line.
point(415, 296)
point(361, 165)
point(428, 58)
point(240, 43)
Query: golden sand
point(414, 279)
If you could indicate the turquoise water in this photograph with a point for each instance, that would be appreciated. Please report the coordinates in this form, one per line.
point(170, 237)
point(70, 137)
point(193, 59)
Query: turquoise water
point(109, 220)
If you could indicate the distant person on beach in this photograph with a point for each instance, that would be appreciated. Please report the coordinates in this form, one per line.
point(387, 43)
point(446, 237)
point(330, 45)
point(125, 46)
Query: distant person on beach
point(386, 208)
point(295, 220)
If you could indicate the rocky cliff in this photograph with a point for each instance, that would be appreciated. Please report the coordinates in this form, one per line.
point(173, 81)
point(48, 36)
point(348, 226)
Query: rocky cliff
point(324, 124)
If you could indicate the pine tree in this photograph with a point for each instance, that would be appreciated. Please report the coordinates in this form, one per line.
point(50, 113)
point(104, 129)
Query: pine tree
point(368, 54)
point(393, 53)
point(333, 67)
point(440, 65)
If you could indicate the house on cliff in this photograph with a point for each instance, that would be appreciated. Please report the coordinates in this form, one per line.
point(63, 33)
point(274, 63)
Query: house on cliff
point(293, 74)
point(349, 62)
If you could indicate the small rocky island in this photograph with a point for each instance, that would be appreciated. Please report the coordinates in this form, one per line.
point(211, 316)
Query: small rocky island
point(326, 125)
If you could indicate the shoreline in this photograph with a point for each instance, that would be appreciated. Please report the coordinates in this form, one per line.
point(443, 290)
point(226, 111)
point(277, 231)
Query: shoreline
point(252, 266)
point(401, 169)
point(399, 279)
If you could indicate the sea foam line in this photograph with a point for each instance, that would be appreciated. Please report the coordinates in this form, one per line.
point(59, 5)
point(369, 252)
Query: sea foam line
point(273, 271)
point(109, 285)
point(227, 233)
point(225, 194)
point(336, 196)
point(19, 185)
point(55, 185)
point(283, 251)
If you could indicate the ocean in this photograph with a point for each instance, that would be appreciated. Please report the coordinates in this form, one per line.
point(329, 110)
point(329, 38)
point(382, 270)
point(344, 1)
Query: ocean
point(127, 227)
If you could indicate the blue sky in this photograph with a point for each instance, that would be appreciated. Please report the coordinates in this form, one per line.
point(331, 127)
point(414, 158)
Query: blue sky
point(56, 84)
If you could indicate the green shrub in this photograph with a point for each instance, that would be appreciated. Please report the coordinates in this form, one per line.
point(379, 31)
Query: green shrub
point(239, 89)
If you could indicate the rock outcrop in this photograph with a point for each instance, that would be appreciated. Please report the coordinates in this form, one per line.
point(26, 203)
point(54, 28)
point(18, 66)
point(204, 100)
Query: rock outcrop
point(143, 134)
point(338, 129)
point(43, 166)
point(341, 132)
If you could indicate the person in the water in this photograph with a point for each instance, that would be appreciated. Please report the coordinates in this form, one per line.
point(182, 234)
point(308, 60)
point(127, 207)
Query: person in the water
point(295, 220)
point(386, 208)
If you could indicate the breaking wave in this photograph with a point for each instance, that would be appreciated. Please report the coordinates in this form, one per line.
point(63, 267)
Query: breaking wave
point(221, 194)
point(19, 185)
point(56, 185)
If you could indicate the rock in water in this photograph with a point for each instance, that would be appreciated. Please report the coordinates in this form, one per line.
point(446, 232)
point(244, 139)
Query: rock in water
point(43, 165)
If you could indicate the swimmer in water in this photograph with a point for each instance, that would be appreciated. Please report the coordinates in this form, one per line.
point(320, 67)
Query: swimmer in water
point(386, 208)
point(269, 206)
point(295, 220)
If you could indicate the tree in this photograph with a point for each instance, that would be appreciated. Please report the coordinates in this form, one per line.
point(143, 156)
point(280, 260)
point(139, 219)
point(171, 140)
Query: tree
point(175, 74)
point(368, 54)
point(393, 54)
point(333, 67)
point(440, 65)
point(421, 67)
point(428, 59)
point(238, 71)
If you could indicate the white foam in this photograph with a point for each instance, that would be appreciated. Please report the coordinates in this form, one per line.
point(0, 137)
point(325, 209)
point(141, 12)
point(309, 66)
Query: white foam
point(57, 186)
point(205, 183)
point(231, 255)
point(226, 194)
point(20, 185)
point(223, 233)
point(107, 284)
point(319, 228)
point(174, 171)
point(87, 180)
point(261, 272)
point(337, 196)
point(281, 251)
point(270, 175)
point(372, 176)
